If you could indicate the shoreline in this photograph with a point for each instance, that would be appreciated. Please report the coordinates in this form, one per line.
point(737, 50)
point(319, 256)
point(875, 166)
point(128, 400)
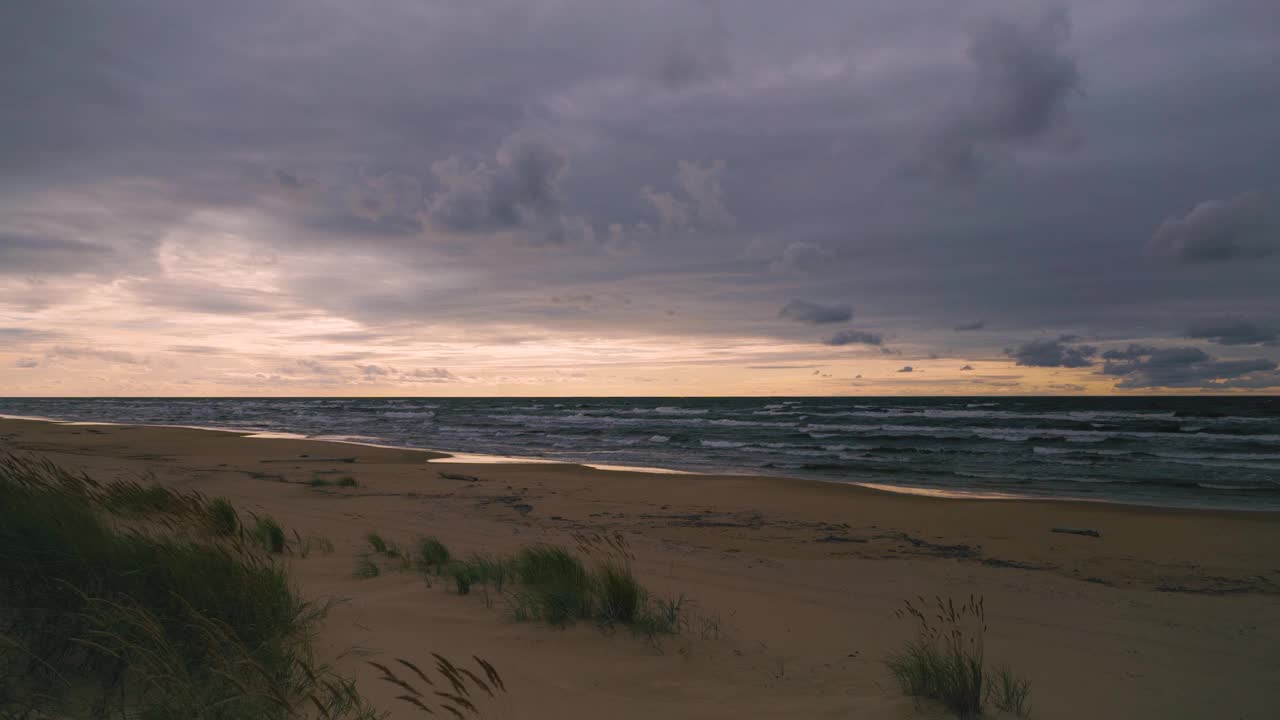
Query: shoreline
point(1167, 613)
point(490, 459)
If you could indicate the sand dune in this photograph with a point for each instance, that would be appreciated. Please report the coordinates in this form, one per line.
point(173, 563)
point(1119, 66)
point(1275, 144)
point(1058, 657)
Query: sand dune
point(793, 584)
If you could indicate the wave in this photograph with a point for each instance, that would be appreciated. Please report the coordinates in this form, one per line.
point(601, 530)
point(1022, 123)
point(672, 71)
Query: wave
point(1122, 447)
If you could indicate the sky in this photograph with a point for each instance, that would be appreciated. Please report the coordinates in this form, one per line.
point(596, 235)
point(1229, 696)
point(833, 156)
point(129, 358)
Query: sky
point(590, 197)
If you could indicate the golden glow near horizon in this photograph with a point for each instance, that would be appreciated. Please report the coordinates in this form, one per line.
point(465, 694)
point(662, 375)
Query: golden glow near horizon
point(221, 315)
point(132, 351)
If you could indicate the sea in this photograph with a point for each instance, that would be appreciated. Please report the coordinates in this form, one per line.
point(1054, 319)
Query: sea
point(1206, 452)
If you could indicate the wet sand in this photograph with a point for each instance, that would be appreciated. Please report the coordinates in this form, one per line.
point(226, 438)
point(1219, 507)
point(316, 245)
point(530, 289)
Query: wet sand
point(792, 584)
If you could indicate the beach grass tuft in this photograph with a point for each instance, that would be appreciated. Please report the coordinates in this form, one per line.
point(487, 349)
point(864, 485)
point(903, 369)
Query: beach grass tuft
point(120, 601)
point(346, 481)
point(556, 586)
point(378, 544)
point(947, 660)
point(1010, 692)
point(551, 584)
point(222, 518)
point(432, 555)
point(619, 596)
point(269, 534)
point(366, 568)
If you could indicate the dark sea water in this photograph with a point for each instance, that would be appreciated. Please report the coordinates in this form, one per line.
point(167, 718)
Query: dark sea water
point(1201, 451)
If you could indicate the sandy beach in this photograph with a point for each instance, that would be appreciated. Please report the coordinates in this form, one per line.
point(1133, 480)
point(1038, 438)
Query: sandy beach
point(792, 585)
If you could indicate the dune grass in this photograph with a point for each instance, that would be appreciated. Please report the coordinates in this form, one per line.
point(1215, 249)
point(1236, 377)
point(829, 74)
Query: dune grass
point(431, 556)
point(378, 544)
point(366, 568)
point(118, 600)
point(347, 481)
point(221, 517)
point(269, 534)
point(1010, 692)
point(551, 584)
point(947, 661)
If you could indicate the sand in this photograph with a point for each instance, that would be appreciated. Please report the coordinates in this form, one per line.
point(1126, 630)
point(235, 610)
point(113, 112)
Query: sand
point(792, 585)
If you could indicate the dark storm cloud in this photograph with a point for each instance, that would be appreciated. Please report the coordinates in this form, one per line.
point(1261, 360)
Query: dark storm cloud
point(375, 150)
point(1183, 367)
point(1236, 228)
point(1234, 332)
point(815, 313)
point(1052, 353)
point(1024, 74)
point(855, 337)
point(906, 369)
point(967, 367)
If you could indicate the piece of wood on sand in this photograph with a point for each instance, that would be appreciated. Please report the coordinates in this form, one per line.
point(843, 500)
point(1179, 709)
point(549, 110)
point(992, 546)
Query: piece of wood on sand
point(459, 476)
point(1077, 531)
point(310, 459)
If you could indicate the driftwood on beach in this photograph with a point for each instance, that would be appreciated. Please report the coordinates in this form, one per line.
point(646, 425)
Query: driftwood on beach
point(459, 476)
point(310, 459)
point(1077, 531)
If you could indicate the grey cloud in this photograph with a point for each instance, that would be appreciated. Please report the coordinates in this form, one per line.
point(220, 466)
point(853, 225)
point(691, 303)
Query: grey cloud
point(1052, 353)
point(699, 56)
point(701, 205)
point(1133, 351)
point(1236, 228)
point(287, 179)
point(970, 326)
point(1234, 332)
point(385, 373)
point(431, 375)
point(815, 313)
point(802, 257)
point(306, 367)
point(26, 363)
point(372, 372)
point(967, 367)
point(1183, 367)
point(112, 356)
point(520, 187)
point(1024, 76)
point(203, 298)
point(855, 337)
point(196, 349)
point(346, 336)
point(14, 335)
point(29, 254)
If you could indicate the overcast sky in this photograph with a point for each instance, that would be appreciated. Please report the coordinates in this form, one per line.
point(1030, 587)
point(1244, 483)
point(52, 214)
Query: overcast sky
point(562, 197)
